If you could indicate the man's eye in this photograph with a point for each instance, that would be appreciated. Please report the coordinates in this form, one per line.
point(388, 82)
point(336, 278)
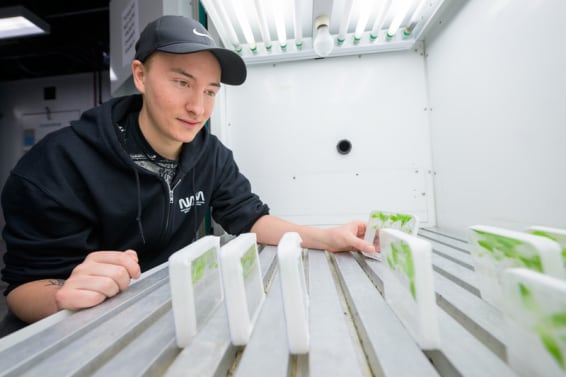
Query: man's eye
point(181, 83)
point(211, 93)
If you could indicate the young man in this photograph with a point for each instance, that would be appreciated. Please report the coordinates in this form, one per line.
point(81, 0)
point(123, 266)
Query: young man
point(124, 187)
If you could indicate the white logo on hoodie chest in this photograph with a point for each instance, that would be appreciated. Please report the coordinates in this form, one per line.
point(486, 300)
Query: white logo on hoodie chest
point(185, 204)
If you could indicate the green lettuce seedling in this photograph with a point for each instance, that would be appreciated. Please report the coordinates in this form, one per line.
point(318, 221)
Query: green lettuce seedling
point(401, 259)
point(551, 329)
point(501, 247)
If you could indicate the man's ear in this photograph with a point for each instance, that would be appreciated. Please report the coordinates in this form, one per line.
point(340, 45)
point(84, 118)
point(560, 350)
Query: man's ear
point(138, 74)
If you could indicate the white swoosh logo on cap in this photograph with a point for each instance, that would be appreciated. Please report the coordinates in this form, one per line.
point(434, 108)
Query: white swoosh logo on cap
point(201, 34)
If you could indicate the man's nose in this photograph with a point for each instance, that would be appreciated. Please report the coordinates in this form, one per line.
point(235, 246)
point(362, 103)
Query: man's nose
point(195, 103)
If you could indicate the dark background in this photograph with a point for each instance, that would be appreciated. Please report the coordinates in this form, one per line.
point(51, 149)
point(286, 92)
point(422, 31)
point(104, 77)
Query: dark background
point(78, 42)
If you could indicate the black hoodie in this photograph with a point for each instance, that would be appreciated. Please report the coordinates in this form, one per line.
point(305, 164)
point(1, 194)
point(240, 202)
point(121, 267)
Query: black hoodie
point(78, 191)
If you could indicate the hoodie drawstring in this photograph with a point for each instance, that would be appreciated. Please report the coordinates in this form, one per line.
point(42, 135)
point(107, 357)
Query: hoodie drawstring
point(139, 216)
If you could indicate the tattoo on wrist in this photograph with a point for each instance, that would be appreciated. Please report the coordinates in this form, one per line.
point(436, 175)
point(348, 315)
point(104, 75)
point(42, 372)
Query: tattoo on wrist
point(57, 282)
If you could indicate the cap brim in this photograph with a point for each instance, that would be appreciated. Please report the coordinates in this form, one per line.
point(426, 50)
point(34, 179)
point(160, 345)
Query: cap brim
point(233, 68)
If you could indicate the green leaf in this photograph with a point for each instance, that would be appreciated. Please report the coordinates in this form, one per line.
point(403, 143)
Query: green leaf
point(556, 320)
point(248, 261)
point(405, 218)
point(543, 234)
point(395, 253)
point(528, 298)
point(409, 265)
point(553, 348)
point(413, 289)
point(486, 245)
point(501, 247)
point(402, 261)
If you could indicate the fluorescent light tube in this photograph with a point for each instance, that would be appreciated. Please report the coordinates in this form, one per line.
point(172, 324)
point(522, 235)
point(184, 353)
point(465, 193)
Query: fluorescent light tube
point(345, 21)
point(245, 25)
point(280, 23)
point(223, 24)
point(378, 23)
point(365, 10)
point(398, 19)
point(298, 24)
point(263, 27)
point(414, 19)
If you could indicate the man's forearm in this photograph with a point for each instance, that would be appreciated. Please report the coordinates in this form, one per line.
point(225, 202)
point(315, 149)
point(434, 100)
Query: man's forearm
point(346, 237)
point(270, 229)
point(35, 300)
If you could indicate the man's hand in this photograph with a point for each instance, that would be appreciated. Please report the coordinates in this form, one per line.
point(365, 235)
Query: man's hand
point(348, 237)
point(103, 274)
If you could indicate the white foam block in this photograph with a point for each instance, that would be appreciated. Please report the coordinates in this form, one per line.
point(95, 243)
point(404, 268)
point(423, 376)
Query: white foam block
point(535, 317)
point(196, 289)
point(388, 220)
point(409, 286)
point(555, 234)
point(294, 292)
point(243, 285)
point(495, 249)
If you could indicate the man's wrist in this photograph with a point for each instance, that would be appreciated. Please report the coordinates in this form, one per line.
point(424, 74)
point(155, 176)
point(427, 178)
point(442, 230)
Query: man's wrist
point(56, 283)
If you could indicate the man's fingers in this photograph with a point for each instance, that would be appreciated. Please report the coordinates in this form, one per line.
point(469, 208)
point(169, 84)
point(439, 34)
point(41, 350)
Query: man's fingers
point(78, 299)
point(94, 270)
point(86, 291)
point(127, 259)
point(361, 245)
point(133, 254)
point(358, 242)
point(134, 273)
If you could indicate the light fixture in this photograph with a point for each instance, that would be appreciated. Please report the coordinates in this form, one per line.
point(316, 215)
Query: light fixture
point(267, 31)
point(323, 42)
point(18, 21)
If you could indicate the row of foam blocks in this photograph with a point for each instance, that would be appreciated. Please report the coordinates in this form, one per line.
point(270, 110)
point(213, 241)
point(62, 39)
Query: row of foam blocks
point(520, 273)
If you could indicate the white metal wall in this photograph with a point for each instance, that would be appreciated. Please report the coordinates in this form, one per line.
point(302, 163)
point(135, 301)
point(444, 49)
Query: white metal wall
point(284, 124)
point(497, 88)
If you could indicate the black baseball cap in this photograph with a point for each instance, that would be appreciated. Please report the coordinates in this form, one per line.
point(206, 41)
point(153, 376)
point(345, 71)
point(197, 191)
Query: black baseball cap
point(183, 35)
